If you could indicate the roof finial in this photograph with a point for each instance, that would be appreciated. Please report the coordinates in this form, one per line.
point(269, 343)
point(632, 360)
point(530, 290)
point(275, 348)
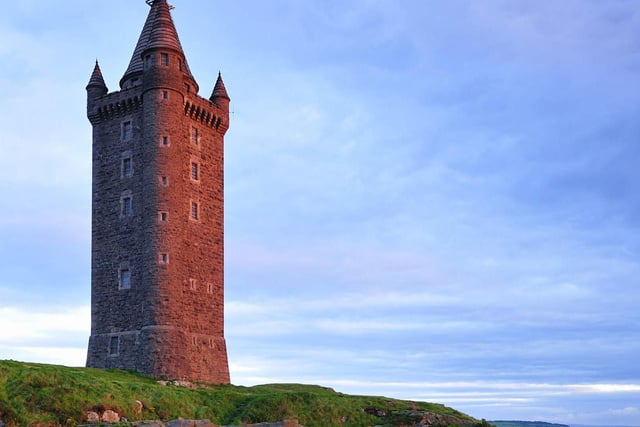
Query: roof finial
point(152, 2)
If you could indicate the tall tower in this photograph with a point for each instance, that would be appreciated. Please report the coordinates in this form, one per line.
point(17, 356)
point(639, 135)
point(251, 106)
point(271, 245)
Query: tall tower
point(157, 214)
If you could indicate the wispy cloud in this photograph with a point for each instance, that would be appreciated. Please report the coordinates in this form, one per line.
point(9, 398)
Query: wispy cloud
point(56, 335)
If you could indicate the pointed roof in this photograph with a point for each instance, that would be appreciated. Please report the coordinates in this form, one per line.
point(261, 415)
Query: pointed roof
point(219, 91)
point(158, 32)
point(96, 78)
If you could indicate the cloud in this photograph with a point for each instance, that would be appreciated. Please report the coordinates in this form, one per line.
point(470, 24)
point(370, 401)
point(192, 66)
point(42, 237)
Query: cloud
point(26, 330)
point(35, 326)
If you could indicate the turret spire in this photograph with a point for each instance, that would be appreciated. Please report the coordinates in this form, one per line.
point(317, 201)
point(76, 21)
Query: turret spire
point(219, 95)
point(159, 32)
point(96, 80)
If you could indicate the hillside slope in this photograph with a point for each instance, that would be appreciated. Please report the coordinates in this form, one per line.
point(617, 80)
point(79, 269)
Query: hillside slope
point(46, 395)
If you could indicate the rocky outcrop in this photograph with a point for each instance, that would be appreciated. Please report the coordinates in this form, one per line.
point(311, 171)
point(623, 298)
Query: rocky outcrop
point(285, 423)
point(417, 418)
point(94, 418)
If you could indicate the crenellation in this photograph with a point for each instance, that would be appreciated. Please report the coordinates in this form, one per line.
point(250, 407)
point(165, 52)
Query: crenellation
point(115, 104)
point(204, 111)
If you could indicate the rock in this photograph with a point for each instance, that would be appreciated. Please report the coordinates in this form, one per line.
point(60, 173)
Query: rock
point(110, 416)
point(93, 417)
point(185, 384)
point(148, 423)
point(190, 423)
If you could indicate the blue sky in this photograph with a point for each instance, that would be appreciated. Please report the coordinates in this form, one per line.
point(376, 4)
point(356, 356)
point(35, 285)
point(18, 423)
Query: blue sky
point(424, 200)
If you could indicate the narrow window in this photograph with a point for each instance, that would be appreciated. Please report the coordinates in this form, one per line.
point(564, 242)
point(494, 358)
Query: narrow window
point(163, 259)
point(164, 216)
point(125, 278)
point(187, 88)
point(164, 181)
point(209, 288)
point(165, 94)
point(165, 141)
point(195, 211)
point(126, 206)
point(164, 59)
point(179, 64)
point(114, 346)
point(147, 61)
point(195, 137)
point(193, 284)
point(127, 167)
point(195, 171)
point(127, 130)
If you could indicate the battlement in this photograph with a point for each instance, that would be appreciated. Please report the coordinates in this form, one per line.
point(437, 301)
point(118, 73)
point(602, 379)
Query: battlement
point(115, 104)
point(206, 112)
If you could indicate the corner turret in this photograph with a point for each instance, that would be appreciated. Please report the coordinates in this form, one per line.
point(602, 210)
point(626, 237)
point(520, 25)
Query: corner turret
point(219, 95)
point(96, 88)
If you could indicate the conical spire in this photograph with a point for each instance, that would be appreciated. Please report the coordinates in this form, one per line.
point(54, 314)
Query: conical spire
point(96, 79)
point(158, 32)
point(219, 91)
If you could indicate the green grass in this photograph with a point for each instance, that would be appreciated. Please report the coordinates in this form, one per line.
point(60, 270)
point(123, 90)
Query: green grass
point(33, 394)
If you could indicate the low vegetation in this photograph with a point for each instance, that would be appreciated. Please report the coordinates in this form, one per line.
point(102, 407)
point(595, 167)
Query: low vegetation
point(46, 395)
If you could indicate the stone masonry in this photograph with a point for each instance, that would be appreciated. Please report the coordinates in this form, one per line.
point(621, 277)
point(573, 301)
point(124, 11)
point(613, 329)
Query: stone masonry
point(157, 258)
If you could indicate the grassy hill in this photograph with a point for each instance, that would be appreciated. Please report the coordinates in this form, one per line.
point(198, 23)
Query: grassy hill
point(46, 395)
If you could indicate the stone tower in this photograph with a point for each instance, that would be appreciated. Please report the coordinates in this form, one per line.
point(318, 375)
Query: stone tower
point(157, 214)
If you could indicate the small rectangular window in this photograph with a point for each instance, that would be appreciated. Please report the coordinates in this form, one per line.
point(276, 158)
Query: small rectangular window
point(164, 216)
point(209, 288)
point(163, 259)
point(164, 59)
point(164, 181)
point(127, 206)
point(195, 171)
point(114, 346)
point(127, 167)
point(165, 94)
point(180, 64)
point(195, 211)
point(127, 130)
point(165, 141)
point(147, 61)
point(187, 88)
point(193, 284)
point(195, 137)
point(125, 278)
